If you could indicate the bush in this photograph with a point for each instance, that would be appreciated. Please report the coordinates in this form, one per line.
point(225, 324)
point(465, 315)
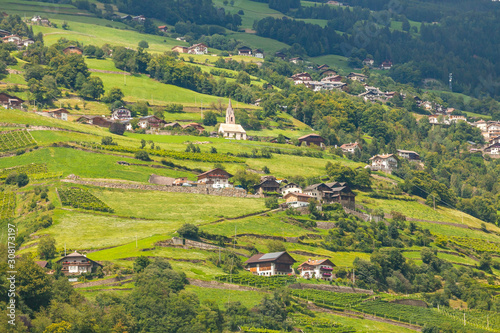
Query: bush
point(22, 180)
point(142, 155)
point(117, 128)
point(271, 202)
point(11, 178)
point(189, 231)
point(143, 44)
point(107, 140)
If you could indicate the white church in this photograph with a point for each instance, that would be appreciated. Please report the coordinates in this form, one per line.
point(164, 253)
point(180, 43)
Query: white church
point(230, 129)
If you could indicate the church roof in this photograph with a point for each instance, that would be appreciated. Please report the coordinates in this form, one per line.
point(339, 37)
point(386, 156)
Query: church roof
point(234, 128)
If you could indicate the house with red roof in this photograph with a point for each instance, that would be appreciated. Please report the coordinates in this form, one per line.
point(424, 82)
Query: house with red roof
point(317, 269)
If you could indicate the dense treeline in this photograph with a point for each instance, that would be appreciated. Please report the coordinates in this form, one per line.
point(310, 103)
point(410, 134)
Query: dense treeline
point(170, 11)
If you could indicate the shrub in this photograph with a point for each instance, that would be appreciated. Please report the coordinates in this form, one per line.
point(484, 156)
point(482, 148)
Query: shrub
point(107, 140)
point(189, 231)
point(117, 128)
point(272, 202)
point(22, 180)
point(142, 155)
point(11, 178)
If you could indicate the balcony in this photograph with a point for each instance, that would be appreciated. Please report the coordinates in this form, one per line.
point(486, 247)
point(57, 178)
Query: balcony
point(327, 274)
point(327, 269)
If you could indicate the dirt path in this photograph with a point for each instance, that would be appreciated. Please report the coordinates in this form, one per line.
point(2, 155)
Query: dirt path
point(220, 285)
point(357, 315)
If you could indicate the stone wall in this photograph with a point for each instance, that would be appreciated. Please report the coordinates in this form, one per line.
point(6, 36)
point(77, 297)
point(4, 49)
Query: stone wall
point(332, 288)
point(325, 225)
point(224, 192)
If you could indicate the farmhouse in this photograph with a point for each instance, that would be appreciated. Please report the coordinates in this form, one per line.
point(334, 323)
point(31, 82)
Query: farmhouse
point(385, 163)
point(317, 269)
point(199, 48)
point(229, 129)
point(310, 139)
point(493, 149)
point(356, 77)
point(280, 55)
point(163, 28)
point(180, 49)
point(332, 78)
point(296, 199)
point(368, 62)
point(258, 53)
point(301, 78)
point(76, 264)
point(350, 147)
point(409, 155)
point(72, 50)
point(343, 195)
point(60, 113)
point(217, 178)
point(269, 264)
point(267, 185)
point(121, 113)
point(195, 126)
point(150, 122)
point(386, 65)
point(290, 188)
point(320, 191)
point(12, 39)
point(296, 60)
point(244, 51)
point(174, 125)
point(139, 18)
point(328, 72)
point(9, 101)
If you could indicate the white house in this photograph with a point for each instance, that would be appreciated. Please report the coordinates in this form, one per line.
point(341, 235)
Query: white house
point(385, 163)
point(76, 264)
point(297, 200)
point(290, 188)
point(217, 178)
point(199, 48)
point(350, 147)
point(317, 269)
point(269, 264)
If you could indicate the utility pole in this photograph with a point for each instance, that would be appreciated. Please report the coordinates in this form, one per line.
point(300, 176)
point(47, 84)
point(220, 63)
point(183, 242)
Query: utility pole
point(434, 199)
point(353, 275)
point(464, 318)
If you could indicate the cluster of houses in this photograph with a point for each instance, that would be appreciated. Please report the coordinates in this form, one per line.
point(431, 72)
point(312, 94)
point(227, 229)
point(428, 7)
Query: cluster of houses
point(331, 80)
point(19, 41)
point(247, 51)
point(38, 20)
point(199, 49)
point(386, 65)
point(263, 264)
point(280, 263)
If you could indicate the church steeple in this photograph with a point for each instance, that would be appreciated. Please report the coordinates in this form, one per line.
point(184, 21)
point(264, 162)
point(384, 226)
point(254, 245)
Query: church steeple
point(230, 114)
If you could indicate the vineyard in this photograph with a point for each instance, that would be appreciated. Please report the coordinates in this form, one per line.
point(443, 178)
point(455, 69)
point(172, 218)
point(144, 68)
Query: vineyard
point(13, 140)
point(480, 319)
point(476, 244)
point(270, 282)
point(200, 157)
point(319, 325)
point(29, 169)
point(8, 204)
point(329, 298)
point(414, 315)
point(80, 198)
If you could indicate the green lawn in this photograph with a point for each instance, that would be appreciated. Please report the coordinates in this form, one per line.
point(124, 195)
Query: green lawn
point(268, 45)
point(87, 165)
point(178, 207)
point(335, 61)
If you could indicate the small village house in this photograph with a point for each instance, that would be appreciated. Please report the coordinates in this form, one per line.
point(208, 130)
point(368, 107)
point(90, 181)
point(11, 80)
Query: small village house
point(342, 194)
point(163, 28)
point(244, 51)
point(180, 49)
point(216, 178)
point(12, 39)
point(121, 113)
point(139, 18)
point(297, 200)
point(296, 60)
point(356, 77)
point(409, 155)
point(312, 139)
point(73, 50)
point(174, 125)
point(368, 62)
point(270, 264)
point(280, 55)
point(258, 53)
point(290, 188)
point(199, 49)
point(94, 120)
point(60, 113)
point(151, 121)
point(493, 149)
point(229, 129)
point(10, 101)
point(320, 192)
point(301, 78)
point(328, 72)
point(194, 126)
point(317, 269)
point(386, 65)
point(76, 264)
point(332, 78)
point(385, 163)
point(267, 185)
point(350, 148)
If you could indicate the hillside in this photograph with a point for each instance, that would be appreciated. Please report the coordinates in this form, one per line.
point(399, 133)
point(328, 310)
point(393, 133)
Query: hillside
point(170, 216)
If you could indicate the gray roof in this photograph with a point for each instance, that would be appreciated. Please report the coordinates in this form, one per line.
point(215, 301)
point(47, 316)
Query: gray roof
point(272, 255)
